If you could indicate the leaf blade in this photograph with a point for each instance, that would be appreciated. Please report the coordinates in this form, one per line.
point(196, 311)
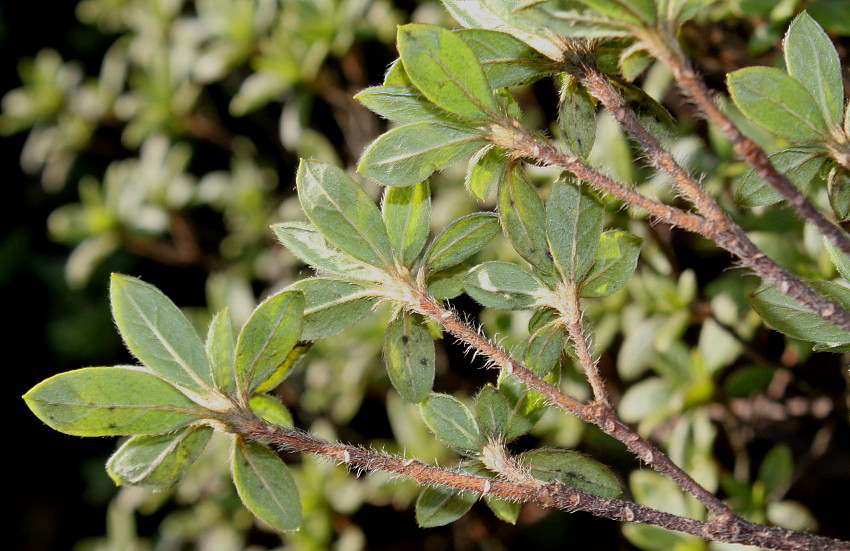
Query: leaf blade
point(265, 486)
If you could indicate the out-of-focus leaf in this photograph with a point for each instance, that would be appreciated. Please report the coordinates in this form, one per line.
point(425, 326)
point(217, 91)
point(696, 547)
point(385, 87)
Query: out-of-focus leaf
point(157, 461)
point(409, 354)
point(839, 193)
point(110, 401)
point(777, 102)
point(265, 486)
point(634, 11)
point(839, 259)
point(461, 239)
point(776, 471)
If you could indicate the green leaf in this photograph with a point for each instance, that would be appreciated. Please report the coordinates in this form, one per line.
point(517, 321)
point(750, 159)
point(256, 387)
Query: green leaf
point(157, 461)
point(634, 11)
point(486, 169)
point(407, 216)
point(437, 506)
point(343, 213)
point(221, 349)
point(574, 221)
point(406, 155)
point(776, 472)
point(110, 401)
point(396, 75)
point(402, 104)
point(526, 406)
point(839, 259)
point(409, 354)
point(633, 61)
point(574, 469)
point(452, 422)
point(650, 113)
point(839, 193)
point(492, 412)
point(523, 219)
point(446, 70)
point(544, 349)
point(504, 285)
point(265, 486)
point(792, 318)
point(800, 166)
point(331, 305)
point(270, 409)
point(158, 333)
point(448, 283)
point(506, 60)
point(267, 339)
point(461, 239)
point(504, 509)
point(777, 102)
point(616, 260)
point(307, 244)
point(812, 60)
point(577, 117)
point(283, 370)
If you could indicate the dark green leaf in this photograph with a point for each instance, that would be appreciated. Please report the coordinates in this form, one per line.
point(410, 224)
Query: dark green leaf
point(634, 11)
point(446, 70)
point(265, 486)
point(283, 370)
point(440, 506)
point(577, 117)
point(452, 422)
point(157, 461)
point(492, 412)
point(269, 409)
point(307, 244)
point(409, 154)
point(343, 213)
point(110, 401)
point(574, 469)
point(486, 170)
point(839, 259)
point(799, 165)
point(812, 60)
point(832, 14)
point(777, 102)
point(634, 61)
point(331, 305)
point(158, 333)
point(407, 216)
point(526, 406)
point(461, 239)
point(650, 113)
point(839, 193)
point(506, 61)
point(544, 349)
point(792, 318)
point(616, 260)
point(504, 285)
point(409, 354)
point(505, 510)
point(523, 219)
point(448, 283)
point(574, 221)
point(402, 104)
point(267, 339)
point(221, 348)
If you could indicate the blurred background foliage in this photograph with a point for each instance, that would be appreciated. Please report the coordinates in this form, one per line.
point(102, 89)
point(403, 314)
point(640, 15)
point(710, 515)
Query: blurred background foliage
point(160, 138)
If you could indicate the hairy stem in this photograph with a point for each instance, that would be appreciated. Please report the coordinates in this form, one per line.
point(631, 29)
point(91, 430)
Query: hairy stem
point(720, 228)
point(666, 48)
point(554, 495)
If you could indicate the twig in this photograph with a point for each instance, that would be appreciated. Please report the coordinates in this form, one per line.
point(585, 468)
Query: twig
point(719, 227)
point(553, 494)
